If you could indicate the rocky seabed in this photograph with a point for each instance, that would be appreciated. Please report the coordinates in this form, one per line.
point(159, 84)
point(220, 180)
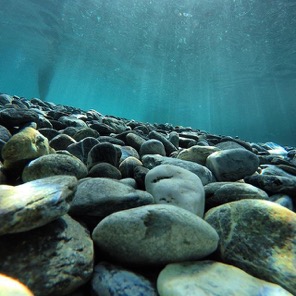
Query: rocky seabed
point(104, 206)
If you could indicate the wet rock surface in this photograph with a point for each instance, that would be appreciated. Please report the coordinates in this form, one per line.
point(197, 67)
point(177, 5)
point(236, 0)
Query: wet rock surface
point(66, 173)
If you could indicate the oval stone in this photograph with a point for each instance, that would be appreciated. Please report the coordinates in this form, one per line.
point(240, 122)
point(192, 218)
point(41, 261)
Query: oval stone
point(155, 234)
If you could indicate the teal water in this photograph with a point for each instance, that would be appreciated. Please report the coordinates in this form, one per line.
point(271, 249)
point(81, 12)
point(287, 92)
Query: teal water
point(227, 67)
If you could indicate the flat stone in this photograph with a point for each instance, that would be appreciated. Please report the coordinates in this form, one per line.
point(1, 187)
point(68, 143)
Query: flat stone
point(212, 278)
point(52, 165)
point(155, 234)
point(197, 153)
point(219, 193)
point(152, 160)
point(259, 237)
point(112, 280)
point(174, 185)
point(101, 197)
point(51, 260)
point(35, 203)
point(27, 144)
point(232, 164)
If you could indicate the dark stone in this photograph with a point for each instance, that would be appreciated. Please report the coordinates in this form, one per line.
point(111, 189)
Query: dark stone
point(10, 117)
point(61, 142)
point(140, 173)
point(105, 170)
point(84, 133)
point(112, 140)
point(5, 134)
point(102, 128)
point(169, 147)
point(49, 133)
point(134, 140)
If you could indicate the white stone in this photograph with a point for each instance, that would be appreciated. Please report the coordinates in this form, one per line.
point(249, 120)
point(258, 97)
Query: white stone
point(170, 184)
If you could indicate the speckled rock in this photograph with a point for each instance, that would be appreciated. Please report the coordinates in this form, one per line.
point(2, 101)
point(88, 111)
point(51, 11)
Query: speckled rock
point(259, 237)
point(26, 145)
point(112, 280)
point(152, 147)
point(232, 164)
point(12, 287)
point(103, 152)
point(155, 234)
point(52, 165)
point(105, 170)
point(212, 278)
point(128, 166)
point(170, 184)
point(51, 260)
point(101, 196)
point(197, 153)
point(35, 203)
point(219, 193)
point(152, 160)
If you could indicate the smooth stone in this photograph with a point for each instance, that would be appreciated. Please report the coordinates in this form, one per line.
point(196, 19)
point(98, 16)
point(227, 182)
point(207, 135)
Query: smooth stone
point(35, 203)
point(259, 237)
point(134, 140)
point(5, 99)
point(283, 200)
point(103, 152)
point(205, 278)
point(232, 164)
point(112, 140)
point(102, 196)
point(273, 170)
point(10, 117)
point(219, 193)
point(82, 148)
point(169, 147)
point(117, 125)
point(128, 166)
point(174, 138)
point(49, 133)
point(274, 184)
point(152, 147)
point(127, 151)
point(72, 121)
point(61, 142)
point(227, 145)
point(102, 128)
point(112, 280)
point(70, 130)
point(12, 287)
point(105, 170)
point(26, 145)
point(85, 133)
point(52, 165)
point(155, 234)
point(5, 134)
point(140, 173)
point(174, 185)
point(152, 160)
point(51, 260)
point(197, 153)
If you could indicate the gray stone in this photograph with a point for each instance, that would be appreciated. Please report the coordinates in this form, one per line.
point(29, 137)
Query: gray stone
point(85, 133)
point(174, 185)
point(101, 196)
point(155, 234)
point(128, 166)
point(169, 147)
point(205, 278)
point(233, 164)
point(127, 151)
point(152, 147)
point(259, 237)
point(152, 160)
point(116, 124)
point(51, 260)
point(134, 140)
point(61, 142)
point(112, 280)
point(35, 203)
point(52, 165)
point(219, 193)
point(72, 121)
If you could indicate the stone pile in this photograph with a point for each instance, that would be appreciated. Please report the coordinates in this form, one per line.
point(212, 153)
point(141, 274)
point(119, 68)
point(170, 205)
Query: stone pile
point(101, 205)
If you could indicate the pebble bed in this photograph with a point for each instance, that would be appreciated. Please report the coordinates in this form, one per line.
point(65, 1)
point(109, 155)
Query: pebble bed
point(101, 205)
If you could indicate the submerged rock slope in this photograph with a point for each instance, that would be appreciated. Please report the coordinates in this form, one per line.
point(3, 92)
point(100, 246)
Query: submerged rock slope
point(101, 205)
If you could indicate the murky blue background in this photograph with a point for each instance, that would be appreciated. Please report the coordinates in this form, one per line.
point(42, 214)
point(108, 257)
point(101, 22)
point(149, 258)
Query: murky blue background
point(227, 67)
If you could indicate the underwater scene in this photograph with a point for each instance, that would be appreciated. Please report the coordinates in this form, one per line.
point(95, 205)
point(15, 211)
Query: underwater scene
point(227, 67)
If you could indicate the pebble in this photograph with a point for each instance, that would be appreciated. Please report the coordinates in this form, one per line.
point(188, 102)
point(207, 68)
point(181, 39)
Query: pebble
point(169, 147)
point(51, 260)
point(61, 142)
point(232, 164)
point(155, 234)
point(10, 117)
point(152, 147)
point(101, 197)
point(258, 236)
point(105, 170)
point(112, 280)
point(5, 134)
point(52, 165)
point(84, 133)
point(35, 203)
point(128, 165)
point(212, 278)
point(176, 186)
point(134, 140)
point(152, 160)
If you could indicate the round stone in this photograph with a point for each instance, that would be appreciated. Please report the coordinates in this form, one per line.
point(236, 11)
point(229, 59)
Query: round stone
point(152, 147)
